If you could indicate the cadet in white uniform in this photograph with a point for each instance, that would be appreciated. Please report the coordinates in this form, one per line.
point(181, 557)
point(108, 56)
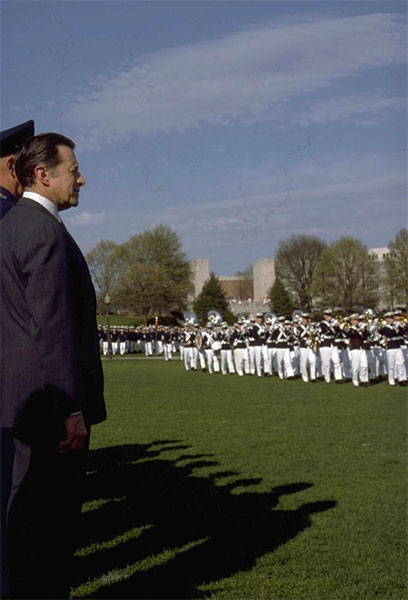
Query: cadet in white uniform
point(209, 341)
point(329, 352)
point(226, 352)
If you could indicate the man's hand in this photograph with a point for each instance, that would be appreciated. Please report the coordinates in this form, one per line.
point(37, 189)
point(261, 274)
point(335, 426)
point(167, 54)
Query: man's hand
point(76, 433)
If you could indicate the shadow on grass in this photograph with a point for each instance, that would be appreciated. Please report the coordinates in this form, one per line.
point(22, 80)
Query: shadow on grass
point(202, 530)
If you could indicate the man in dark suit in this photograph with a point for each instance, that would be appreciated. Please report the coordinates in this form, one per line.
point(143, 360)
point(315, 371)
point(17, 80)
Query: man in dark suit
point(11, 141)
point(51, 375)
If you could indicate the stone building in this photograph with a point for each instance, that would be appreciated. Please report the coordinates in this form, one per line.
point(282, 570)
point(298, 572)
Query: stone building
point(256, 287)
point(237, 286)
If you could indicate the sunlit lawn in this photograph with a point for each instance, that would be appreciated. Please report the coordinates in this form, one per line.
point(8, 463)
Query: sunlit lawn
point(211, 486)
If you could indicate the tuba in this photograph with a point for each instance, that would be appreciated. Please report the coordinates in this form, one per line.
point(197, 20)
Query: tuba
point(190, 317)
point(214, 317)
point(272, 316)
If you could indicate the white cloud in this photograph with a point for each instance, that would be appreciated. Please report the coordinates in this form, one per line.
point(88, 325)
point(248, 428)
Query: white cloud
point(240, 76)
point(351, 107)
point(86, 218)
point(343, 207)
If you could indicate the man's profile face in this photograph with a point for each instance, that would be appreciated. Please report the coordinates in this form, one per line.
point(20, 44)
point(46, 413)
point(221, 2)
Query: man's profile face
point(65, 180)
point(327, 317)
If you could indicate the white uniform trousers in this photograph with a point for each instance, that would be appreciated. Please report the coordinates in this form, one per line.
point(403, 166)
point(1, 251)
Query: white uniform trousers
point(188, 357)
point(328, 355)
point(295, 359)
point(345, 362)
point(226, 359)
point(405, 355)
point(197, 355)
point(255, 356)
point(105, 348)
point(148, 349)
point(122, 348)
point(268, 360)
point(307, 361)
point(359, 366)
point(167, 351)
point(241, 359)
point(115, 346)
point(212, 361)
point(396, 365)
point(373, 366)
point(380, 360)
point(284, 364)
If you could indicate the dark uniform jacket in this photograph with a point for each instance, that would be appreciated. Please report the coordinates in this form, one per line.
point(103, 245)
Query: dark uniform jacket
point(7, 201)
point(49, 341)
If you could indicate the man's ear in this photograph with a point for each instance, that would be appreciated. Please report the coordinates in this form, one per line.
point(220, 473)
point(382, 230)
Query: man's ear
point(10, 166)
point(42, 175)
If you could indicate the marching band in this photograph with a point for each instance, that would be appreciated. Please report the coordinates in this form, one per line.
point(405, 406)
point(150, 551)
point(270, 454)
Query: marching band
point(360, 348)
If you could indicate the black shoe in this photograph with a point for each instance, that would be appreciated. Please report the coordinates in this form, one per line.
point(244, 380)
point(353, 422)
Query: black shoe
point(403, 383)
point(339, 381)
point(365, 384)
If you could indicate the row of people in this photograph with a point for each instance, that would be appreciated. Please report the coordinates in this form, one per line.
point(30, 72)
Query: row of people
point(149, 340)
point(356, 348)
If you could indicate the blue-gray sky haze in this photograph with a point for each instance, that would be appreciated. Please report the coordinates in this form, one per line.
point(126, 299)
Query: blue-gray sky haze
point(237, 124)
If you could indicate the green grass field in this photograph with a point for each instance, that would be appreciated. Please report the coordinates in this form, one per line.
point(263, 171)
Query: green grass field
point(211, 486)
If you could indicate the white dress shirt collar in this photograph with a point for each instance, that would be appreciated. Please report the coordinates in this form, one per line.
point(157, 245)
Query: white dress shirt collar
point(50, 206)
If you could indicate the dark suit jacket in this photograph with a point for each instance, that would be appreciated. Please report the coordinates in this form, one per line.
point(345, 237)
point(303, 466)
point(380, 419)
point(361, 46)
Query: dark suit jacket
point(49, 342)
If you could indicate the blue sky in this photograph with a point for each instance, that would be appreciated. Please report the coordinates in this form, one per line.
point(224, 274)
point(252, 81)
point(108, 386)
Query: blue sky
point(237, 124)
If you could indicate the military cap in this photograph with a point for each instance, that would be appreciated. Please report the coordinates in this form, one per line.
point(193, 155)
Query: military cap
point(328, 311)
point(388, 315)
point(12, 139)
point(354, 316)
point(259, 315)
point(281, 318)
point(305, 315)
point(209, 325)
point(224, 324)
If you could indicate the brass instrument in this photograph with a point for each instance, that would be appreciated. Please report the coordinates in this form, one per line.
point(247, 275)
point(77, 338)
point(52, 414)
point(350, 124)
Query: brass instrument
point(214, 317)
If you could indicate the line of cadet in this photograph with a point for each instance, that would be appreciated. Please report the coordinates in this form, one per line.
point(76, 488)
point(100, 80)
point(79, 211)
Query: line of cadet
point(361, 349)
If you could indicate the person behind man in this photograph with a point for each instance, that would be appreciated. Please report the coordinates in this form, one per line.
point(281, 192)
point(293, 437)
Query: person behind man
point(11, 141)
point(52, 381)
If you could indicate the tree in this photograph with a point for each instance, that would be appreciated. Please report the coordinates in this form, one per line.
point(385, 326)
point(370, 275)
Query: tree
point(296, 261)
point(154, 275)
point(211, 297)
point(346, 275)
point(279, 299)
point(102, 263)
point(396, 270)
